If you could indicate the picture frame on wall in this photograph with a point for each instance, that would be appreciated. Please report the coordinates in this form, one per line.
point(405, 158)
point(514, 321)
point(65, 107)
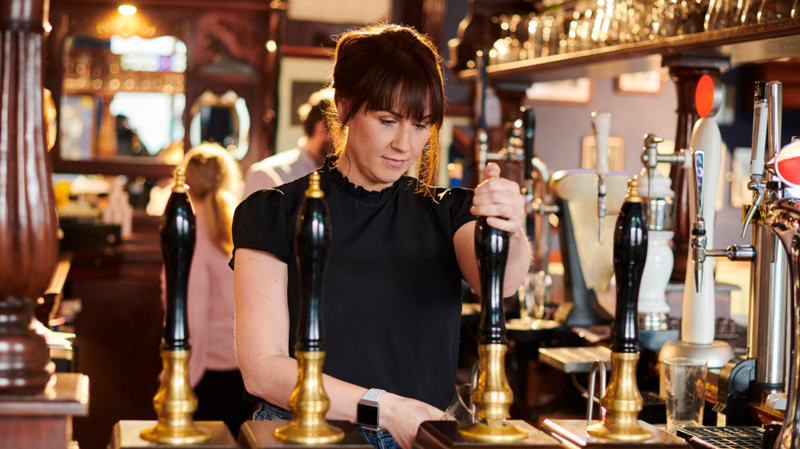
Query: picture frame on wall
point(299, 78)
point(616, 153)
point(571, 91)
point(644, 83)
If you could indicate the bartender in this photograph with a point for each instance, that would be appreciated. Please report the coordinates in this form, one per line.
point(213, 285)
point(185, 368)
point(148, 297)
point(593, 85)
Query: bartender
point(400, 249)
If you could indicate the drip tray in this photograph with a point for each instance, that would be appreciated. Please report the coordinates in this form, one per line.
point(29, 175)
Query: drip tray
point(733, 437)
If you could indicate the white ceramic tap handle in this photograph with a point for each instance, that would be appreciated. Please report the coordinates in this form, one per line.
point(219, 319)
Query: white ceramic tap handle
point(601, 124)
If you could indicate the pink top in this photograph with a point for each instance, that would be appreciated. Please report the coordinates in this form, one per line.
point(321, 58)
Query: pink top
point(210, 308)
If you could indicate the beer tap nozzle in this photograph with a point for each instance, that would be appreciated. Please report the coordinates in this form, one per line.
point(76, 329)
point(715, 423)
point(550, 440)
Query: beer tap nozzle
point(601, 125)
point(756, 183)
point(699, 228)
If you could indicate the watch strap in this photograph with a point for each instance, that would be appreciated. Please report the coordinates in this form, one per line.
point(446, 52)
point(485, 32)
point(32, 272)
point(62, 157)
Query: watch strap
point(368, 413)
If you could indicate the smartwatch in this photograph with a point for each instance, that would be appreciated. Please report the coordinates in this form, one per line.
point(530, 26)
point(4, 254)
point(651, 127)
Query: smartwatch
point(368, 413)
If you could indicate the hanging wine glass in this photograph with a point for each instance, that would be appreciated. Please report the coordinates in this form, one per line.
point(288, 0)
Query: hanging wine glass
point(772, 10)
point(721, 14)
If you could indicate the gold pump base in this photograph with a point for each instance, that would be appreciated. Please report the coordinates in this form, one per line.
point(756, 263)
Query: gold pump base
point(492, 397)
point(175, 403)
point(622, 403)
point(309, 403)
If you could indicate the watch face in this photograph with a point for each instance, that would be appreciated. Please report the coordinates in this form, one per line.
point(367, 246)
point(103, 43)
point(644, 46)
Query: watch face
point(367, 415)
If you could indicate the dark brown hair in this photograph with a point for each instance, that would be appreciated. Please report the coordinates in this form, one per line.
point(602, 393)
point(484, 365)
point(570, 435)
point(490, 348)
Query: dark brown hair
point(387, 67)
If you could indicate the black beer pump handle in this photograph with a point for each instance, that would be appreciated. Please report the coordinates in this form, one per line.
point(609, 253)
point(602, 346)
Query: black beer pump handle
point(491, 250)
point(528, 133)
point(630, 253)
point(177, 246)
point(312, 236)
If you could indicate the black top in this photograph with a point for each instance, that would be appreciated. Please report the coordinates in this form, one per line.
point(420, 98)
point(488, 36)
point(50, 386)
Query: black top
point(392, 288)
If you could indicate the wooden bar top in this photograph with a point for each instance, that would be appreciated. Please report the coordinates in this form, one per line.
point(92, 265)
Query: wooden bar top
point(445, 435)
point(572, 433)
point(126, 436)
point(259, 434)
point(66, 395)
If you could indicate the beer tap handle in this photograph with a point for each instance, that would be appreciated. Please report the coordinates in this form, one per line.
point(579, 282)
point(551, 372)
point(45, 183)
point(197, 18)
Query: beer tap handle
point(491, 250)
point(699, 230)
point(601, 125)
point(774, 91)
point(630, 253)
point(528, 133)
point(760, 115)
point(312, 236)
point(757, 154)
point(178, 237)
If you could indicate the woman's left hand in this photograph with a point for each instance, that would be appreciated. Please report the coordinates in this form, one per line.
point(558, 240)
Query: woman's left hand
point(499, 199)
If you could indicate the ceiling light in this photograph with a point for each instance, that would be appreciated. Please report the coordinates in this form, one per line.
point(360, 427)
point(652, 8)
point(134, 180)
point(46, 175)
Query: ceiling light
point(127, 10)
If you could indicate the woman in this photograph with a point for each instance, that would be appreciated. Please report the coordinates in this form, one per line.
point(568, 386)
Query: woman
point(400, 247)
point(211, 174)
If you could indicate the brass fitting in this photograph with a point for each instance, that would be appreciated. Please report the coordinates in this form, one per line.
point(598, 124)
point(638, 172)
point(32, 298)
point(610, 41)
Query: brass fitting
point(309, 403)
point(622, 403)
point(175, 403)
point(492, 397)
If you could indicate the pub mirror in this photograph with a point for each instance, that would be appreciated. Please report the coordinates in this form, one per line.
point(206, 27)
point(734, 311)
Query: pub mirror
point(123, 98)
point(223, 119)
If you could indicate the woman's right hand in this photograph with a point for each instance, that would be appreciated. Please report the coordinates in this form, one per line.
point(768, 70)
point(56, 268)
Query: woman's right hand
point(403, 416)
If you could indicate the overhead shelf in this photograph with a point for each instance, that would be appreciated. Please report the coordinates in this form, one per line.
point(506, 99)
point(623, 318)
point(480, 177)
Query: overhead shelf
point(750, 43)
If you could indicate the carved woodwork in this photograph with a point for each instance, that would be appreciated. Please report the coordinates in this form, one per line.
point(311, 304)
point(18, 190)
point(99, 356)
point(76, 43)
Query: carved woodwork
point(28, 241)
point(236, 36)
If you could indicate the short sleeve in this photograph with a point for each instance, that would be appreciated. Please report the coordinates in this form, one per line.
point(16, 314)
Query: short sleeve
point(458, 202)
point(260, 224)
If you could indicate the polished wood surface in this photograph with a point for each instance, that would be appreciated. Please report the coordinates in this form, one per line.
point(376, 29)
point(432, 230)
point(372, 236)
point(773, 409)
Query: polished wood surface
point(573, 432)
point(28, 223)
point(259, 434)
point(743, 44)
point(125, 435)
point(445, 435)
point(43, 421)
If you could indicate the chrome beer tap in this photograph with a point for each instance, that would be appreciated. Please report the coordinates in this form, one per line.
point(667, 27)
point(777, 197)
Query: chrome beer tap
point(601, 125)
point(651, 158)
point(536, 292)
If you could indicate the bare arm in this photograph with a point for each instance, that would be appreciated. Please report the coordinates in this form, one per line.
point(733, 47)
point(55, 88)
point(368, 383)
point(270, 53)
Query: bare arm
point(501, 201)
point(262, 348)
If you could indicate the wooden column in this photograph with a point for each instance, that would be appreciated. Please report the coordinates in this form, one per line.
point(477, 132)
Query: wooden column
point(28, 223)
point(685, 72)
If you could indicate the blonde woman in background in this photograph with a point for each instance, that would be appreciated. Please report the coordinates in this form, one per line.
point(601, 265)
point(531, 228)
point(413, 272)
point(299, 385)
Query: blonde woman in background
point(211, 175)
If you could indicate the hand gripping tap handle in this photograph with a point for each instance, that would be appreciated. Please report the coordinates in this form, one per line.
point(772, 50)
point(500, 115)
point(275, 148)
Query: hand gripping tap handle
point(491, 250)
point(178, 237)
point(630, 253)
point(601, 124)
point(699, 230)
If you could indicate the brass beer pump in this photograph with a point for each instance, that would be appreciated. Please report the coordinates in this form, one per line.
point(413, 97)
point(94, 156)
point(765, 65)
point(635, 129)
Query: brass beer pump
point(493, 395)
point(175, 402)
point(622, 401)
point(309, 402)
